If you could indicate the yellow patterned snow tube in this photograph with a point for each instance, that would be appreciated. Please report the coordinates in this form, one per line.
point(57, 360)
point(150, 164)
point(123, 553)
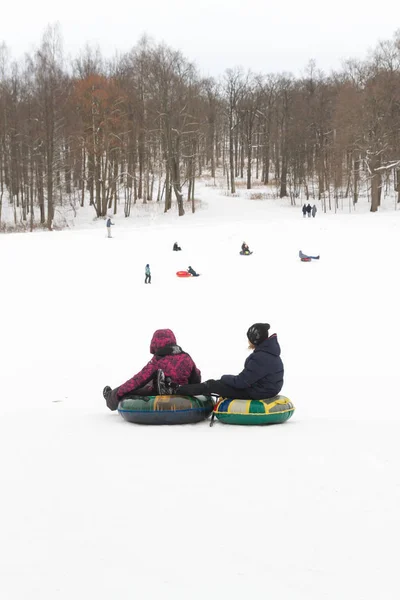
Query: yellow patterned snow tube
point(253, 412)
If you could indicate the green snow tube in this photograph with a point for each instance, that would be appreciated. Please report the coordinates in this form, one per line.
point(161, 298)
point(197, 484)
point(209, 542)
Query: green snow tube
point(253, 412)
point(165, 410)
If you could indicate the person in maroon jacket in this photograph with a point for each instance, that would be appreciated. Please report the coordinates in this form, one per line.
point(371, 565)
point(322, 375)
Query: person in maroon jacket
point(169, 362)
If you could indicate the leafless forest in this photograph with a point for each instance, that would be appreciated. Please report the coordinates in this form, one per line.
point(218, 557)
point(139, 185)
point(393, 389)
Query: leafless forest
point(145, 126)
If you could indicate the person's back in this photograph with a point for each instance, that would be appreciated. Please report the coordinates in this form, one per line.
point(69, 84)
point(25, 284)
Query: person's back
point(265, 361)
point(168, 356)
point(262, 376)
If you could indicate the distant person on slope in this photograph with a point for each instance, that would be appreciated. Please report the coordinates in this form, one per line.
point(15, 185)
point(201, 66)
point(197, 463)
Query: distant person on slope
point(304, 210)
point(306, 257)
point(176, 248)
point(169, 364)
point(262, 376)
point(192, 272)
point(308, 209)
point(147, 273)
point(109, 223)
point(314, 211)
point(245, 249)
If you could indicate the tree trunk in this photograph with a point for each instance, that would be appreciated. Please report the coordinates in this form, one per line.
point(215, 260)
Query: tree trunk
point(376, 184)
point(231, 154)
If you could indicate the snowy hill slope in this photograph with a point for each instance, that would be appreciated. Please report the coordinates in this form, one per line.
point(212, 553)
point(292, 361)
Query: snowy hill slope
point(94, 507)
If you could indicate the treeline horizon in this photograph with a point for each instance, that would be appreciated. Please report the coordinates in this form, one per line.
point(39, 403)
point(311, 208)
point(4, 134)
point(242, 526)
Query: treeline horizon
point(145, 125)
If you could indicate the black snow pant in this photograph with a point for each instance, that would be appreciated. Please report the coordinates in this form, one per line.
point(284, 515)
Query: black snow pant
point(149, 388)
point(147, 279)
point(214, 386)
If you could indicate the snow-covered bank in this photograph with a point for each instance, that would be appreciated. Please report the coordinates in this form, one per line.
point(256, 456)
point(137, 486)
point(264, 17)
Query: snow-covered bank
point(93, 506)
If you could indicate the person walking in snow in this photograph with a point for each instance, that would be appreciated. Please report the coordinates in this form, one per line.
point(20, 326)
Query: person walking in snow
point(147, 273)
point(109, 223)
point(304, 210)
point(308, 209)
point(176, 248)
point(314, 211)
point(169, 364)
point(262, 376)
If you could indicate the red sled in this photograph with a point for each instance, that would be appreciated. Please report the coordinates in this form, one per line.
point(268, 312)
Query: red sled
point(183, 274)
point(305, 259)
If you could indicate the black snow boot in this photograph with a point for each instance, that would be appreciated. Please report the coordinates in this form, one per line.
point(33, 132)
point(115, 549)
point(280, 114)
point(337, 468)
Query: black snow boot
point(164, 385)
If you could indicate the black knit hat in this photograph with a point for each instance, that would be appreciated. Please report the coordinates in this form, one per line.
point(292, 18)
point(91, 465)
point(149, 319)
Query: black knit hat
point(258, 332)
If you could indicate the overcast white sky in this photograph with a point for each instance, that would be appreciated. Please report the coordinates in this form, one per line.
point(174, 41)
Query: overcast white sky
point(264, 35)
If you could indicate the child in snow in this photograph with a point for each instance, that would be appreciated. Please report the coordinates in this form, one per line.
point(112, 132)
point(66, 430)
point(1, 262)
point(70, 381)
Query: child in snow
point(306, 257)
point(314, 211)
point(262, 376)
point(147, 273)
point(192, 272)
point(308, 209)
point(168, 359)
point(304, 210)
point(245, 249)
point(109, 223)
point(176, 248)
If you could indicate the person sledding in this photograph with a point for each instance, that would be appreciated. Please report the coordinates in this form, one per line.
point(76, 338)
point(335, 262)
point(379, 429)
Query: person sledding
point(306, 258)
point(169, 365)
point(192, 272)
point(176, 248)
point(245, 249)
point(261, 378)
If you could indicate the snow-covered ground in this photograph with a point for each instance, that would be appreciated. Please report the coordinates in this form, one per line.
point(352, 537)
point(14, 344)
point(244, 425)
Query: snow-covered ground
point(94, 507)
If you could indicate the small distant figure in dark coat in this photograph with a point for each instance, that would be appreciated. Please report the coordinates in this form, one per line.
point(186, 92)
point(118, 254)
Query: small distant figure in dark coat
point(109, 223)
point(245, 249)
point(306, 258)
point(192, 272)
point(304, 210)
point(147, 273)
point(308, 209)
point(176, 248)
point(314, 211)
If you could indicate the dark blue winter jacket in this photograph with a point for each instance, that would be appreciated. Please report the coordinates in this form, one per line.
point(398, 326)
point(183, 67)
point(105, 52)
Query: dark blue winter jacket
point(263, 371)
point(109, 223)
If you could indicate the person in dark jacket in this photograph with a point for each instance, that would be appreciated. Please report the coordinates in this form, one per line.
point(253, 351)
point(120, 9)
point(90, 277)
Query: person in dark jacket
point(245, 249)
point(308, 209)
point(176, 248)
point(108, 224)
point(304, 210)
point(169, 358)
point(262, 376)
point(314, 211)
point(192, 272)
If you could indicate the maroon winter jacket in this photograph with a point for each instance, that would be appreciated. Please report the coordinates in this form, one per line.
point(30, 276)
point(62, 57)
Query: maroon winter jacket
point(167, 356)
